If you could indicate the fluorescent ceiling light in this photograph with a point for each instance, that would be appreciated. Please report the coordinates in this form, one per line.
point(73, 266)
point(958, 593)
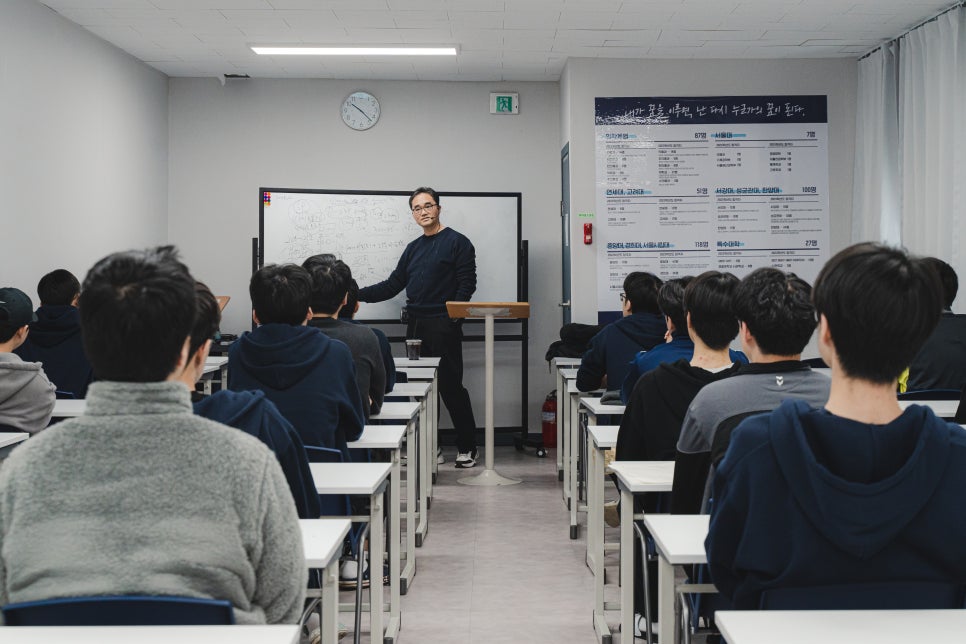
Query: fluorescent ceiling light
point(291, 50)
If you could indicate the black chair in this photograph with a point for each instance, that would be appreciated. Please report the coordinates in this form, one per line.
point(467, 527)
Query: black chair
point(879, 595)
point(120, 610)
point(930, 394)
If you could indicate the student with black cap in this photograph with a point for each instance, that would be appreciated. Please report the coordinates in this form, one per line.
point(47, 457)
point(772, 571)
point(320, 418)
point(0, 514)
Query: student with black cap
point(26, 395)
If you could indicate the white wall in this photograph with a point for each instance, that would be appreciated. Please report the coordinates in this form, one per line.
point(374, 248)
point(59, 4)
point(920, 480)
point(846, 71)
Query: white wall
point(83, 158)
point(227, 141)
point(590, 78)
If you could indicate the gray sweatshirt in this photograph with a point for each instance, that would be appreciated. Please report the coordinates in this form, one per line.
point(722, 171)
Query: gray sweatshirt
point(140, 496)
point(26, 395)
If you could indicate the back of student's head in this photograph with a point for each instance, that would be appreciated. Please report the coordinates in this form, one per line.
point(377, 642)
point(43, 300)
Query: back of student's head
point(281, 293)
point(207, 317)
point(881, 304)
point(317, 260)
point(16, 312)
point(351, 301)
point(58, 288)
point(707, 299)
point(778, 310)
point(329, 285)
point(137, 309)
point(670, 299)
point(641, 289)
point(948, 278)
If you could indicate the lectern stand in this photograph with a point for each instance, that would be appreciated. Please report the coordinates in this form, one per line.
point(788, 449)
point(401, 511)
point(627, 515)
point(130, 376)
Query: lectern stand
point(488, 311)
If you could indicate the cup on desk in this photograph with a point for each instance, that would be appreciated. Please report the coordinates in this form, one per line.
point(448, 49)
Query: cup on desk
point(413, 347)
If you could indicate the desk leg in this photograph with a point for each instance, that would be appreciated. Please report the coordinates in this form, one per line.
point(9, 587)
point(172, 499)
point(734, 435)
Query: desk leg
point(206, 384)
point(411, 483)
point(376, 547)
point(329, 615)
point(224, 377)
point(560, 414)
point(425, 478)
point(395, 545)
point(665, 601)
point(596, 534)
point(434, 427)
point(627, 567)
point(574, 500)
point(564, 444)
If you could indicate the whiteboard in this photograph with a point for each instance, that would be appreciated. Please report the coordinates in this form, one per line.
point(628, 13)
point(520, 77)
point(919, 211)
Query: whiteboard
point(369, 230)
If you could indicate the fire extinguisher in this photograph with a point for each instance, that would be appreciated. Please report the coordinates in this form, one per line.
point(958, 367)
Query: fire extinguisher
point(549, 424)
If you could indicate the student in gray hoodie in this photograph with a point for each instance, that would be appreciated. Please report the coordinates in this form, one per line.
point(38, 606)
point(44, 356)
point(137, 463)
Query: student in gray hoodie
point(26, 395)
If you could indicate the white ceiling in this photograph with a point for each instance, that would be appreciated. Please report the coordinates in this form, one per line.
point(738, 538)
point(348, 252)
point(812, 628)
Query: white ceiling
point(513, 40)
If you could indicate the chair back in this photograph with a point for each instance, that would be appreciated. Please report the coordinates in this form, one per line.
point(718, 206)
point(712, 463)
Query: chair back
point(895, 595)
point(120, 610)
point(930, 394)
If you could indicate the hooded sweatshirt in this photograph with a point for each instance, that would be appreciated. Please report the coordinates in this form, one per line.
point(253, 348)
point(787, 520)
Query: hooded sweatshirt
point(613, 348)
point(55, 341)
point(26, 396)
point(254, 414)
point(309, 377)
point(659, 401)
point(805, 498)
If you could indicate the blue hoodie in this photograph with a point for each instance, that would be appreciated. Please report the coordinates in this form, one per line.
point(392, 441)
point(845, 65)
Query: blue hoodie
point(254, 414)
point(614, 346)
point(806, 498)
point(309, 377)
point(55, 340)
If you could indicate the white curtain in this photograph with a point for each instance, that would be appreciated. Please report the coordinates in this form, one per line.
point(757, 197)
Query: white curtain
point(932, 135)
point(876, 201)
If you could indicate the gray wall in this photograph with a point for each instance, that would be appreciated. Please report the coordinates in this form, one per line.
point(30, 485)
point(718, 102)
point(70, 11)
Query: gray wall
point(590, 78)
point(84, 152)
point(226, 141)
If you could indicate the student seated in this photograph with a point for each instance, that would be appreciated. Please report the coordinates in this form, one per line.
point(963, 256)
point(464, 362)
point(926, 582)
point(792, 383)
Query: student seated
point(55, 336)
point(308, 376)
point(641, 328)
point(776, 320)
point(139, 495)
point(330, 285)
point(249, 411)
point(860, 491)
point(347, 314)
point(941, 363)
point(26, 395)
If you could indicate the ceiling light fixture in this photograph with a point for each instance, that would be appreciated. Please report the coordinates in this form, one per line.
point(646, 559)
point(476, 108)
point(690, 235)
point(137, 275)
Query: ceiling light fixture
point(391, 50)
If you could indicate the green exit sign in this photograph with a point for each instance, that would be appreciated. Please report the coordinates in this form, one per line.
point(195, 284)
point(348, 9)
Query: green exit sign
point(504, 103)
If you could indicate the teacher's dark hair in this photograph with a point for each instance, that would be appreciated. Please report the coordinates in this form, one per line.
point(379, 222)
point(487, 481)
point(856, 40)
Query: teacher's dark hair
point(281, 294)
point(137, 309)
point(418, 191)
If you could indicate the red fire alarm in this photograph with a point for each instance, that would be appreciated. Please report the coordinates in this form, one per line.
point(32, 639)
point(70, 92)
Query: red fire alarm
point(588, 233)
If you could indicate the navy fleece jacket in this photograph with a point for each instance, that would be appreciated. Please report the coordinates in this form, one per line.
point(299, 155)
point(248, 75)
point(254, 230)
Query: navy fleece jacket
point(55, 340)
point(309, 377)
point(805, 498)
point(612, 349)
point(253, 413)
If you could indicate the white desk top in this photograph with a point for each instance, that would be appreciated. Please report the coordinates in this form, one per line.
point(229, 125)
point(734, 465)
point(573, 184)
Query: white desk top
point(349, 478)
point(418, 373)
point(679, 537)
point(276, 634)
point(414, 389)
point(644, 476)
point(396, 411)
point(565, 362)
point(842, 626)
point(210, 369)
point(12, 438)
point(604, 436)
point(68, 408)
point(380, 437)
point(942, 408)
point(322, 540)
point(422, 362)
point(568, 374)
point(599, 409)
point(216, 361)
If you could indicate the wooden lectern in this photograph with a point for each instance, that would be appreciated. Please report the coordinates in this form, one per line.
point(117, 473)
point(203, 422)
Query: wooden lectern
point(488, 311)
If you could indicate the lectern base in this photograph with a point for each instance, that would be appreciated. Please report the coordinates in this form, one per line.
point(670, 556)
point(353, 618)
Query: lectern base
point(488, 478)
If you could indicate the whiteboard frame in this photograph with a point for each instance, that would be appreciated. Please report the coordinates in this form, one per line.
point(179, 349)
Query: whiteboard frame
point(258, 260)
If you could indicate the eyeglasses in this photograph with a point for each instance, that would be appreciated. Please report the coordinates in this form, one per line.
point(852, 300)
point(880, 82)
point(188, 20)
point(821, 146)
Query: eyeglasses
point(623, 297)
point(427, 207)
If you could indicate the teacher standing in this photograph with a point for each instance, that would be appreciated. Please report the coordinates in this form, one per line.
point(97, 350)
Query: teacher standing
point(437, 267)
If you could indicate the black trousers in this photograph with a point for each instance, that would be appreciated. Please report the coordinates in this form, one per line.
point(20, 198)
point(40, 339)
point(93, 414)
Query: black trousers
point(443, 338)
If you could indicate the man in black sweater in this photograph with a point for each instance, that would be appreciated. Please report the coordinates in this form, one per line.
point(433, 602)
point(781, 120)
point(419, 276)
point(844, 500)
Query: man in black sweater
point(435, 268)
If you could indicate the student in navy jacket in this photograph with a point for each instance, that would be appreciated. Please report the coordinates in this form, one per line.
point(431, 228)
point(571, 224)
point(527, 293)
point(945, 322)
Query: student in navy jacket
point(309, 377)
point(55, 336)
point(249, 411)
point(860, 491)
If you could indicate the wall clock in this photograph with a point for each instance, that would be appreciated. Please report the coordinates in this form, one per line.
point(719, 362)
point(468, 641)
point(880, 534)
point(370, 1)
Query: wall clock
point(360, 110)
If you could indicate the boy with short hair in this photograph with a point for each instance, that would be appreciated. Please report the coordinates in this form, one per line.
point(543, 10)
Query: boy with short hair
point(859, 491)
point(26, 395)
point(140, 496)
point(309, 377)
point(55, 335)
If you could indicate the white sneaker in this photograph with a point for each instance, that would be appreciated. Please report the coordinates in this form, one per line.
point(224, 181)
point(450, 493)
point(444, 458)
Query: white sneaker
point(467, 459)
point(640, 628)
point(439, 456)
